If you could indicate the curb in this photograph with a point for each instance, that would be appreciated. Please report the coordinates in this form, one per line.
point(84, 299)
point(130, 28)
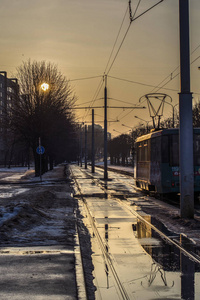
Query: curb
point(80, 280)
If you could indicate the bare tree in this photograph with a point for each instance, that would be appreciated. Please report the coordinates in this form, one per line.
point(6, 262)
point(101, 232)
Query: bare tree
point(196, 114)
point(43, 114)
point(119, 149)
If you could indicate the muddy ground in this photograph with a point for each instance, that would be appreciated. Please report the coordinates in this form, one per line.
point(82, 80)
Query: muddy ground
point(37, 228)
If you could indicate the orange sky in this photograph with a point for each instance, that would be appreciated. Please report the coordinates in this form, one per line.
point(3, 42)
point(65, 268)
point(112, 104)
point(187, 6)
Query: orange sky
point(79, 36)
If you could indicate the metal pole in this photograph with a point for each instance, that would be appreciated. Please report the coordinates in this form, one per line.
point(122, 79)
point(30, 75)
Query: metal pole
point(93, 154)
point(173, 116)
point(185, 114)
point(105, 131)
point(85, 146)
point(40, 159)
point(81, 146)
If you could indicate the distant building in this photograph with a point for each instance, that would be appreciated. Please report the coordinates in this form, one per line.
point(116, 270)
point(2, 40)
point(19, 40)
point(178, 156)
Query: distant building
point(8, 91)
point(98, 140)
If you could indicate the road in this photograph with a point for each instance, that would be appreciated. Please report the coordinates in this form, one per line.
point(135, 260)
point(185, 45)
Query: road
point(131, 260)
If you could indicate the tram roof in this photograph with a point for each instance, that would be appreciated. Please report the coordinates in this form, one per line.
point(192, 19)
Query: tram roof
point(166, 131)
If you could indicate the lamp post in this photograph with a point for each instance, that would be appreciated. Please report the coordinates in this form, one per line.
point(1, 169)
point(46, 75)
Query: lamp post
point(121, 132)
point(44, 86)
point(127, 126)
point(173, 111)
point(147, 122)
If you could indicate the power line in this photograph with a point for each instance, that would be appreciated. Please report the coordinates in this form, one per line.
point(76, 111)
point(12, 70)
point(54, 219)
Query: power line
point(87, 102)
point(147, 10)
point(119, 48)
point(122, 101)
point(131, 20)
point(124, 35)
point(171, 78)
point(116, 40)
point(140, 83)
point(171, 74)
point(85, 78)
point(95, 97)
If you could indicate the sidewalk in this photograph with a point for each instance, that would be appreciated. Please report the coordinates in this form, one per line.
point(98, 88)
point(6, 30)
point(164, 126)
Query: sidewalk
point(39, 250)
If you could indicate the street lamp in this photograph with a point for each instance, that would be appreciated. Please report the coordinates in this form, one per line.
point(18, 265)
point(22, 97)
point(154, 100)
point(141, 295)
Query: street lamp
point(117, 131)
point(147, 122)
point(173, 110)
point(127, 126)
point(44, 86)
point(121, 132)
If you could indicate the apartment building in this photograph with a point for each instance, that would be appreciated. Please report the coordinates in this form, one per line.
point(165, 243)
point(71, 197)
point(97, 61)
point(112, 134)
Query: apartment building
point(8, 91)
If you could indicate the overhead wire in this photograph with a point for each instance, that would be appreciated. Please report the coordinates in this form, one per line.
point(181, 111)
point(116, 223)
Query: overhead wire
point(121, 101)
point(87, 102)
point(171, 74)
point(100, 85)
point(94, 97)
point(123, 37)
point(140, 83)
point(131, 20)
point(85, 78)
point(116, 40)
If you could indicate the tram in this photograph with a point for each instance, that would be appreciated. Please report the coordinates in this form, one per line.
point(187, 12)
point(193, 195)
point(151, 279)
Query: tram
point(157, 161)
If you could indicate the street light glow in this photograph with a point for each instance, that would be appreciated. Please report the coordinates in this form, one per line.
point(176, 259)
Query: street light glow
point(45, 86)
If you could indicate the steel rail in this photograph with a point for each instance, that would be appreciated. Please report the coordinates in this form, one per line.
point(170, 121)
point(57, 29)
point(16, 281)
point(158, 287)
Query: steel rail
point(181, 248)
point(106, 255)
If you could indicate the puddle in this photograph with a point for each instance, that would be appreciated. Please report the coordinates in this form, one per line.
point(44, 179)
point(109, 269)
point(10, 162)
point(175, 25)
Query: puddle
point(168, 258)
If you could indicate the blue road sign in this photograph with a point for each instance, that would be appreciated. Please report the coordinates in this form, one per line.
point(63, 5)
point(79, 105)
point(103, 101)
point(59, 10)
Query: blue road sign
point(40, 150)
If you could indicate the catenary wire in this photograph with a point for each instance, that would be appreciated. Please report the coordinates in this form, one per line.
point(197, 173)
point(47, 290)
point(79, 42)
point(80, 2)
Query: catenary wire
point(85, 78)
point(140, 83)
point(124, 35)
point(95, 97)
point(116, 40)
point(171, 74)
point(133, 19)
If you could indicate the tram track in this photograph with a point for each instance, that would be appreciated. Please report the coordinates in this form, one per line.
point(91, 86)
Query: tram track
point(174, 201)
point(108, 260)
point(170, 240)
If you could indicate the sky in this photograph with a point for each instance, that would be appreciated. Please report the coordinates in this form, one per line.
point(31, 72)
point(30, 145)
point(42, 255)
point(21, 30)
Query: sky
point(79, 36)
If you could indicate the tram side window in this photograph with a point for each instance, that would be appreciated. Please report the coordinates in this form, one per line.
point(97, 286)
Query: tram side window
point(196, 149)
point(174, 150)
point(148, 152)
point(139, 151)
point(143, 150)
point(156, 149)
point(165, 149)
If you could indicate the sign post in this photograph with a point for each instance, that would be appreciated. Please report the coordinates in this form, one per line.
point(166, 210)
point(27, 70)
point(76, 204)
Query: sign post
point(40, 150)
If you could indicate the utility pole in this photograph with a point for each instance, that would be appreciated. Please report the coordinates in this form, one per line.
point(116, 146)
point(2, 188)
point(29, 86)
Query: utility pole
point(185, 114)
point(40, 159)
point(105, 131)
point(81, 150)
point(85, 146)
point(93, 154)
